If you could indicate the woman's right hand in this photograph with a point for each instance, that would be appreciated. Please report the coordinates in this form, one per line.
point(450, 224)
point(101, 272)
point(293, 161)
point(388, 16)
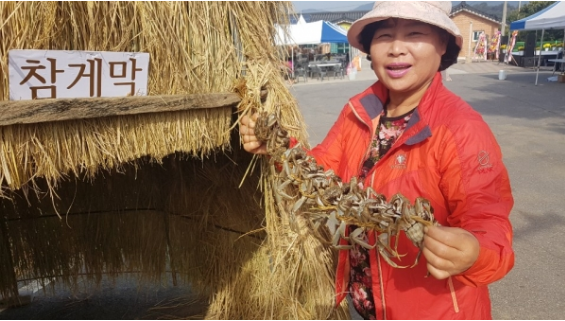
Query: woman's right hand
point(247, 132)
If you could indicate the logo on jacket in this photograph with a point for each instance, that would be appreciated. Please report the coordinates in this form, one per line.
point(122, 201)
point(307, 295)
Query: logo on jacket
point(484, 160)
point(399, 162)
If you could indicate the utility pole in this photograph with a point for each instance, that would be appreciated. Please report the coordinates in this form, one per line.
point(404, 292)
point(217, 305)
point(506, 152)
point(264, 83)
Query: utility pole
point(468, 59)
point(503, 26)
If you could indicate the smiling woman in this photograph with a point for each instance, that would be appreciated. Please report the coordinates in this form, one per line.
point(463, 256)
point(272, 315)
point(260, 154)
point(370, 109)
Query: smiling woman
point(409, 134)
point(406, 54)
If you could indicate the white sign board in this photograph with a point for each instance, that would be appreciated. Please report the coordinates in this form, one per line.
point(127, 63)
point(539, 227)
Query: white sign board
point(39, 74)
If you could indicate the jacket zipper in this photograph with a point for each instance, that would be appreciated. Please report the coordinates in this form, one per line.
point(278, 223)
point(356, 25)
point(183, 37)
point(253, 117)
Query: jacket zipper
point(453, 295)
point(360, 166)
point(381, 285)
point(372, 181)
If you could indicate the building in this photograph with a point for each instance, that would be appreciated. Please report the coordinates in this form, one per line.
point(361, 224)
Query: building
point(470, 21)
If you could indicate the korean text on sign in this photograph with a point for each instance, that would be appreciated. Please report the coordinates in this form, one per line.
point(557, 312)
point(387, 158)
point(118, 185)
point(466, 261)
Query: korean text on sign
point(40, 74)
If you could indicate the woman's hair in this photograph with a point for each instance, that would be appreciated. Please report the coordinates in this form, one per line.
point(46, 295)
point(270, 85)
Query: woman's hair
point(449, 57)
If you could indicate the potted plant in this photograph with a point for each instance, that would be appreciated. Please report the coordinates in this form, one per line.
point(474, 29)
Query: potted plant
point(546, 46)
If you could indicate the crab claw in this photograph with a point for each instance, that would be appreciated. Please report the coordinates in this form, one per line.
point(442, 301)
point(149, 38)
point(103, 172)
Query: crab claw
point(298, 205)
point(357, 236)
point(339, 233)
point(386, 257)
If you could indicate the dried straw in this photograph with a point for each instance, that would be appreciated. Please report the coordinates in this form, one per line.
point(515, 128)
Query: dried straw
point(164, 191)
point(190, 66)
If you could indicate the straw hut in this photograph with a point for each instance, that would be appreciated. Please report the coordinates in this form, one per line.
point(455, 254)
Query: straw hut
point(157, 185)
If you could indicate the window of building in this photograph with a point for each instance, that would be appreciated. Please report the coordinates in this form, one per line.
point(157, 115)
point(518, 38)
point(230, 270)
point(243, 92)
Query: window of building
point(476, 35)
point(339, 48)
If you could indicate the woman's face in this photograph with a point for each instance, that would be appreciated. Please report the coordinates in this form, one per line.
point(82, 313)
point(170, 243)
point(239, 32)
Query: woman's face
point(406, 54)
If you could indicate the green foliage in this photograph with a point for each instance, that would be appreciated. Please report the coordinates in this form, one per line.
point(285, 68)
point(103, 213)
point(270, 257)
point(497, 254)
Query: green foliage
point(527, 10)
point(548, 44)
point(492, 9)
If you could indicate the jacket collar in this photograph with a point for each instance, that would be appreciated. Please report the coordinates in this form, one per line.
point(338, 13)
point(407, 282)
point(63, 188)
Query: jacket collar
point(370, 103)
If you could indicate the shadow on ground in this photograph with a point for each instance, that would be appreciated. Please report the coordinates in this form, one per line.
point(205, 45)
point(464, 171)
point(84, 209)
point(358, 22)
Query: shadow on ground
point(112, 300)
point(488, 95)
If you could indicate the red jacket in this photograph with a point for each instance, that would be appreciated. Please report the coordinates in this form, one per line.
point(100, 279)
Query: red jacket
point(448, 155)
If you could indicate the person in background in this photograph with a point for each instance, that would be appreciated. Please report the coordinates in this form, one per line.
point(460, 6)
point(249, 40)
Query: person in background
point(289, 65)
point(286, 68)
point(356, 63)
point(409, 134)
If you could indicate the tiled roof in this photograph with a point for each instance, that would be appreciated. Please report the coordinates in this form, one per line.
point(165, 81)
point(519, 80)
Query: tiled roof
point(351, 16)
point(334, 17)
point(464, 7)
point(293, 18)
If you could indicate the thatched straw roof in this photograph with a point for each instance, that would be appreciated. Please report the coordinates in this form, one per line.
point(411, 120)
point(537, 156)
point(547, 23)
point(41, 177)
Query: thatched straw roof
point(161, 191)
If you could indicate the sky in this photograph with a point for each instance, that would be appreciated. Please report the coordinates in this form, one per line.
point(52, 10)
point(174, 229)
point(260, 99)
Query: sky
point(328, 5)
point(351, 5)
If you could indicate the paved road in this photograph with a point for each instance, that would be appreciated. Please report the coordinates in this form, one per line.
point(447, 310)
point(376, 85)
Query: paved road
point(529, 123)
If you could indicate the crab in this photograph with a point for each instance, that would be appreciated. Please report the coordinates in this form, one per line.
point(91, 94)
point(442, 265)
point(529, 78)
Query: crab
point(264, 126)
point(304, 188)
point(268, 130)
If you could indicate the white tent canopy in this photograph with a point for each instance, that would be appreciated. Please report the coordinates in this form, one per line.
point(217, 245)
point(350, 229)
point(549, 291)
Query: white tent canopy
point(552, 17)
point(310, 33)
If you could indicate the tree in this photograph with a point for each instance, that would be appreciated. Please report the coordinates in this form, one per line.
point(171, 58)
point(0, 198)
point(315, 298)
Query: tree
point(528, 10)
point(494, 10)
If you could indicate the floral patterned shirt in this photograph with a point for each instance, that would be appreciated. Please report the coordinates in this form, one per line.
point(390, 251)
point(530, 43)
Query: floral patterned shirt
point(389, 129)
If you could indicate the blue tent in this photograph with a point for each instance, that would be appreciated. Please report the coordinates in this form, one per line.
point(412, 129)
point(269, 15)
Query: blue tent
point(552, 17)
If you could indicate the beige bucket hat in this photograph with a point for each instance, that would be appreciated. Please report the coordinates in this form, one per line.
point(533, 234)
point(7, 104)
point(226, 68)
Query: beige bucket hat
point(432, 12)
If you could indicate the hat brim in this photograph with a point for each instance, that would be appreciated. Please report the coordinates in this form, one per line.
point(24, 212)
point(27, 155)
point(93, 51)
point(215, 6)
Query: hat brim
point(410, 10)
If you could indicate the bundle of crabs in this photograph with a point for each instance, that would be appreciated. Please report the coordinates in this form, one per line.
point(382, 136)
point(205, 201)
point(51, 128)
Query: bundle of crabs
point(302, 187)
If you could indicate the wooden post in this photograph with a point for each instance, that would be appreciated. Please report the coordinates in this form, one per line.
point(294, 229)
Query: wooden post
point(7, 267)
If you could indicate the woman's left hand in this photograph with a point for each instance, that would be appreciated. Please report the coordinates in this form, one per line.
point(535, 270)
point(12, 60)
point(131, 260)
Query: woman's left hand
point(449, 250)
